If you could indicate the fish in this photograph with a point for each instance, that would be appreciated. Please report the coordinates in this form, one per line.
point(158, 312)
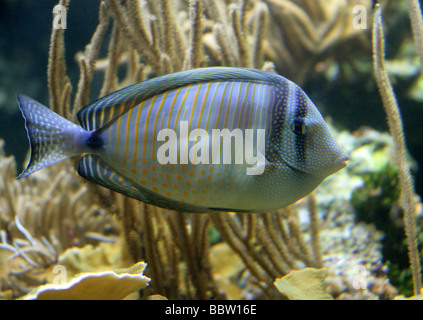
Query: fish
point(201, 140)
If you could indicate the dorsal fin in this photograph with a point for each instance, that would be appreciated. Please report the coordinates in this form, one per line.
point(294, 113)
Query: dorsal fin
point(107, 108)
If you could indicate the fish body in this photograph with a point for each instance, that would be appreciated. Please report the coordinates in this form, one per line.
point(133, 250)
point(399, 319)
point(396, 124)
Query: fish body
point(211, 139)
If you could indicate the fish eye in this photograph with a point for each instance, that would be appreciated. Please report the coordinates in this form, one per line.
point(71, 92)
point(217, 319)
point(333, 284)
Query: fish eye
point(298, 126)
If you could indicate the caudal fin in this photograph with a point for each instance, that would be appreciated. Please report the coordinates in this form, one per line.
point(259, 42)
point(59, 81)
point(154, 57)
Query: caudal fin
point(49, 134)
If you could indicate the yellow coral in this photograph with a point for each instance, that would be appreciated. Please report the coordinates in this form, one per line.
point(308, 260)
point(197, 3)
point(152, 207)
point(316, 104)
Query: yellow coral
point(106, 285)
point(305, 284)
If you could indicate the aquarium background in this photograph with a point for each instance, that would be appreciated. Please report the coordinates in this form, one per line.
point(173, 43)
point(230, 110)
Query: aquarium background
point(340, 82)
point(25, 35)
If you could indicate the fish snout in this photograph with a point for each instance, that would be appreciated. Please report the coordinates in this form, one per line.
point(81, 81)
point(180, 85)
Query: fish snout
point(341, 160)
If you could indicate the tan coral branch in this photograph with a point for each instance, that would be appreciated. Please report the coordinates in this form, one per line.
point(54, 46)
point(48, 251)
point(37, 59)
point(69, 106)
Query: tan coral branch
point(395, 126)
point(193, 56)
point(415, 13)
point(88, 59)
point(57, 80)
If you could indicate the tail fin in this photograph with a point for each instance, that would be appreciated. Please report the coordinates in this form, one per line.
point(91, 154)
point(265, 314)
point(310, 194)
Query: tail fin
point(50, 135)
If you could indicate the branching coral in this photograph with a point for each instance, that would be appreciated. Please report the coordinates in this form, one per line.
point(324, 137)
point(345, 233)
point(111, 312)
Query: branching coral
point(237, 32)
point(41, 217)
point(415, 13)
point(176, 247)
point(390, 105)
point(307, 30)
point(269, 244)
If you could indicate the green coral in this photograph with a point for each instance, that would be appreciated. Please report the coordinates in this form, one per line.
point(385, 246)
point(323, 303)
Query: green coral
point(374, 200)
point(377, 202)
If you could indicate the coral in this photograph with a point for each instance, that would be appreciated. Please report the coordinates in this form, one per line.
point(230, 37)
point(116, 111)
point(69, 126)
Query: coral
point(415, 13)
point(304, 284)
point(269, 244)
point(390, 105)
point(106, 285)
point(176, 248)
point(89, 258)
point(306, 32)
point(44, 215)
point(352, 256)
point(238, 32)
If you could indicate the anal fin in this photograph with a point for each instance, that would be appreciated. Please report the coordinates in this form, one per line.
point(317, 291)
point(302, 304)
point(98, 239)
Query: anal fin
point(95, 169)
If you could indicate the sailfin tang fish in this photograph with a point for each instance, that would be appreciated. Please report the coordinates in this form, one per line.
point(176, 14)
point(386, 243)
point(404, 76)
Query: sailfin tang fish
point(201, 140)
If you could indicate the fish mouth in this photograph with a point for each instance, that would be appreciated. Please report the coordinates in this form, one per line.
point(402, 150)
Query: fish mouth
point(341, 160)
